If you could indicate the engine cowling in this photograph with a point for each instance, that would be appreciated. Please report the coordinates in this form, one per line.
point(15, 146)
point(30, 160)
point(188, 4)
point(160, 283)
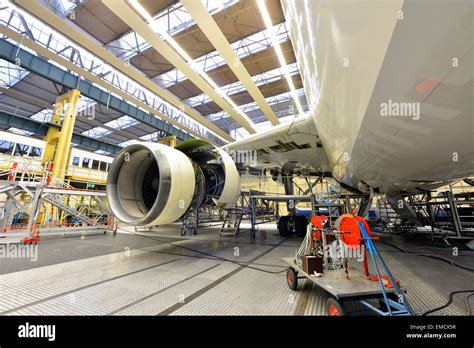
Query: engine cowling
point(154, 184)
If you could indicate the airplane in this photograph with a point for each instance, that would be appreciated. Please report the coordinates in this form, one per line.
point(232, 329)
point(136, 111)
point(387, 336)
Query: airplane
point(389, 86)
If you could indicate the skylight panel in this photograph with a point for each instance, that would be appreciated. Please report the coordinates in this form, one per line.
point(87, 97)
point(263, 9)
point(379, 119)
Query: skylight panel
point(19, 131)
point(96, 132)
point(150, 137)
point(122, 122)
point(128, 142)
point(248, 46)
point(236, 87)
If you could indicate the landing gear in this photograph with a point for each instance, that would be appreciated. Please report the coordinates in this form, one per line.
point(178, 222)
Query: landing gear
point(289, 224)
point(300, 226)
point(284, 226)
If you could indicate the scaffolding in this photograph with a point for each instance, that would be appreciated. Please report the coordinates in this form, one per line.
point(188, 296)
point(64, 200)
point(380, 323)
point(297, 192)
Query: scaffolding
point(35, 202)
point(448, 215)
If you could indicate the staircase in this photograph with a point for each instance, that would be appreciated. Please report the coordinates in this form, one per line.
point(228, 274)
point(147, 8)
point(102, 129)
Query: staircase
point(386, 212)
point(231, 224)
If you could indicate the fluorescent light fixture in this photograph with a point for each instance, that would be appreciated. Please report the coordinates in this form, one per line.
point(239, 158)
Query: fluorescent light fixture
point(141, 10)
point(281, 58)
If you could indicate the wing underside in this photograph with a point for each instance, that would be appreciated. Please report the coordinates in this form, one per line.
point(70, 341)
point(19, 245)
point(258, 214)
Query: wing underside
point(290, 148)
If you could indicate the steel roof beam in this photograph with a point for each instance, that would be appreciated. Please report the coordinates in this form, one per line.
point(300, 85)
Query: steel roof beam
point(136, 23)
point(39, 66)
point(19, 95)
point(40, 129)
point(214, 34)
point(89, 76)
point(71, 32)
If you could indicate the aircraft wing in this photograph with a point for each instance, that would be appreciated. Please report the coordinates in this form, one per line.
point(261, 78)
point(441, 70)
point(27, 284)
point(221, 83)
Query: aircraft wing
point(294, 148)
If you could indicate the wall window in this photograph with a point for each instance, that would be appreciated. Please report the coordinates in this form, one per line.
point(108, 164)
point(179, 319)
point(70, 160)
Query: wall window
point(103, 166)
point(85, 162)
point(76, 160)
point(21, 150)
point(6, 147)
point(35, 151)
point(95, 164)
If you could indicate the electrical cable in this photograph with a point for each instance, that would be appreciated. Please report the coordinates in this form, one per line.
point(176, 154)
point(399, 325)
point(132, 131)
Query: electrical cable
point(468, 305)
point(451, 296)
point(304, 249)
point(440, 248)
point(243, 264)
point(427, 255)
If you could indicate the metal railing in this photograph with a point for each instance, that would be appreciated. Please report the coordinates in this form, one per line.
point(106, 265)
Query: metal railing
point(34, 178)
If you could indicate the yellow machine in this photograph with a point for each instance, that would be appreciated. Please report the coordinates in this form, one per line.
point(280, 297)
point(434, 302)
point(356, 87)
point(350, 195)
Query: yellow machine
point(169, 140)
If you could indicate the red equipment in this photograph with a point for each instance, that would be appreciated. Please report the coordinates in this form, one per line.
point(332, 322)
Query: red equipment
point(49, 170)
point(11, 176)
point(347, 224)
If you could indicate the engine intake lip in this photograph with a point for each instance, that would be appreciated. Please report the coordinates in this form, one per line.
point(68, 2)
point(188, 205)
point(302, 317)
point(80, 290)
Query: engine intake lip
point(125, 180)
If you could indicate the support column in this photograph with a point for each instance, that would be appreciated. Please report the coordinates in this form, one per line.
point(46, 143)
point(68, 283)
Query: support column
point(58, 140)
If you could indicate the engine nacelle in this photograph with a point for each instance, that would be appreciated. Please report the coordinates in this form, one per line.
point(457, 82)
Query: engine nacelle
point(154, 184)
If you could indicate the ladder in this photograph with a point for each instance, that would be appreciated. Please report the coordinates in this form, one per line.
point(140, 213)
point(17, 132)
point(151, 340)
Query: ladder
point(386, 212)
point(461, 209)
point(231, 224)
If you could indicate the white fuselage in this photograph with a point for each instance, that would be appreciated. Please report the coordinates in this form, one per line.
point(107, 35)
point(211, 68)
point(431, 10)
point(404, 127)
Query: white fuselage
point(390, 87)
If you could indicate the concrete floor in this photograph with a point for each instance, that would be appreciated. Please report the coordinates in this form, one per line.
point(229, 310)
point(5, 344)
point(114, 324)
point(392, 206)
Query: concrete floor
point(161, 273)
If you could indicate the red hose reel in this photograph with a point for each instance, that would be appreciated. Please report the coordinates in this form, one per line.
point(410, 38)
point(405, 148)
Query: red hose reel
point(348, 225)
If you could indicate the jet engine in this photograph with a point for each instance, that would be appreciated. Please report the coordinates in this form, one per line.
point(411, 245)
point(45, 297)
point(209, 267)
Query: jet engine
point(154, 184)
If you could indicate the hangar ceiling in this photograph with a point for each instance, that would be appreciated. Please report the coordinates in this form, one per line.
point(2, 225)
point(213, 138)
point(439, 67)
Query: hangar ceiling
point(182, 95)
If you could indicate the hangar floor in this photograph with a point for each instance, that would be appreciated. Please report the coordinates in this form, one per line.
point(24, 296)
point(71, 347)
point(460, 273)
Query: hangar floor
point(162, 273)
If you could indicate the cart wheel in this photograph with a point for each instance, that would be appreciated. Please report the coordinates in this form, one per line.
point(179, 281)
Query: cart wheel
point(334, 308)
point(292, 278)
